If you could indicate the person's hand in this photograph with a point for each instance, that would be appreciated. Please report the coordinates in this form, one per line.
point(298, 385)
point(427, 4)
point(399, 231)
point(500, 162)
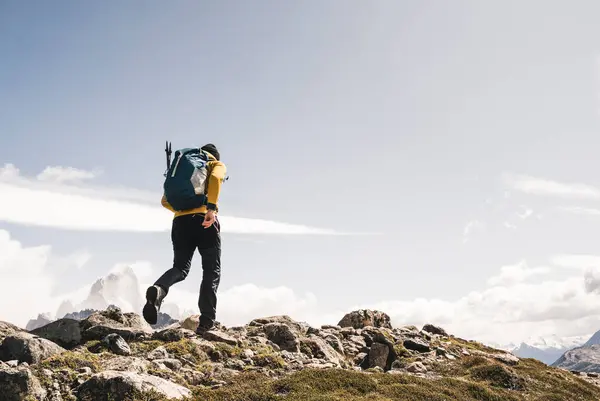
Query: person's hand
point(209, 219)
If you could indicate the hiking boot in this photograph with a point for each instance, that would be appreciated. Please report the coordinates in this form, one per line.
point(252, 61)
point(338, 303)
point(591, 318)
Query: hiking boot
point(201, 329)
point(154, 298)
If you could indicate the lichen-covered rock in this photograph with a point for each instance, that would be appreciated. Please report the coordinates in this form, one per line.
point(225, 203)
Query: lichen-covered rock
point(191, 322)
point(111, 385)
point(417, 344)
point(416, 367)
point(430, 328)
point(334, 342)
point(316, 347)
point(298, 328)
point(378, 355)
point(64, 332)
point(219, 336)
point(169, 363)
point(158, 353)
point(506, 358)
point(282, 335)
point(126, 364)
point(25, 347)
point(173, 334)
point(7, 329)
point(117, 344)
point(130, 326)
point(365, 317)
point(18, 384)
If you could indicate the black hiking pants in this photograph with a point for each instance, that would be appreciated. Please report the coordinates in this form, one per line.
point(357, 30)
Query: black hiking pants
point(187, 235)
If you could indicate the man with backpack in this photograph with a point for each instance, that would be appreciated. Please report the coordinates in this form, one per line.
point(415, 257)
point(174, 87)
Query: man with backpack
point(191, 191)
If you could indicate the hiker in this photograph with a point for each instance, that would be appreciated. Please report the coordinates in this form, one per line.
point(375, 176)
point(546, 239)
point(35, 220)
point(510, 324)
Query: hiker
point(195, 226)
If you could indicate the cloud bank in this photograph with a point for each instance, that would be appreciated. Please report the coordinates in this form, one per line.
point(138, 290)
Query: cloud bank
point(53, 200)
point(543, 186)
point(519, 301)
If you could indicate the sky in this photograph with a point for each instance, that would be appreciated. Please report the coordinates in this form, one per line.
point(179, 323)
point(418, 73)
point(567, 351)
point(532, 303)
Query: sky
point(434, 160)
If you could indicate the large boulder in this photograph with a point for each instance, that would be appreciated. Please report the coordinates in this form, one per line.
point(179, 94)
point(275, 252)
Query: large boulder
point(191, 322)
point(6, 329)
point(111, 385)
point(282, 335)
point(130, 326)
point(316, 347)
point(117, 344)
point(172, 334)
point(430, 328)
point(365, 317)
point(417, 344)
point(18, 384)
point(126, 364)
point(297, 327)
point(64, 332)
point(220, 337)
point(378, 356)
point(29, 348)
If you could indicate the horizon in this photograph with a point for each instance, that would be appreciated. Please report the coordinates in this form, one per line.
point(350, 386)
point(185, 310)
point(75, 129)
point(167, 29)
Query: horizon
point(435, 162)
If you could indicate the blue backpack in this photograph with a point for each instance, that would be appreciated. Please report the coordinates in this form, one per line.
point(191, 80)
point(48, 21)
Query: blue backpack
point(186, 178)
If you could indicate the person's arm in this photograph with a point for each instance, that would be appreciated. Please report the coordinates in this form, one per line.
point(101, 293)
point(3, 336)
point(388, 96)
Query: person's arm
point(216, 178)
point(166, 204)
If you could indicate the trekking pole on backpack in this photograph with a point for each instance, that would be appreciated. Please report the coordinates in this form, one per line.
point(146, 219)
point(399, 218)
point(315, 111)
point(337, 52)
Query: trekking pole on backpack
point(168, 152)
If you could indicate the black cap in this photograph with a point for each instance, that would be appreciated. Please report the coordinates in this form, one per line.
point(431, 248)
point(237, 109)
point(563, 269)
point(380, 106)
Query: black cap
point(212, 149)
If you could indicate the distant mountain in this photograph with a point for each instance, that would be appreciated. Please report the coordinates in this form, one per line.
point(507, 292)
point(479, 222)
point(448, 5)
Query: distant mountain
point(84, 314)
point(42, 320)
point(595, 339)
point(585, 358)
point(163, 321)
point(120, 288)
point(581, 359)
point(547, 349)
point(547, 356)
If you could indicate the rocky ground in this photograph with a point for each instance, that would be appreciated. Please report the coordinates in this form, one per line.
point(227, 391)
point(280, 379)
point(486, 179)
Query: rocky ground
point(116, 356)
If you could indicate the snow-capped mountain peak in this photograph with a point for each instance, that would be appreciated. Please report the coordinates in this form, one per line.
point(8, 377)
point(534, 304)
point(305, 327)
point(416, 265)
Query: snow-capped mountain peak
point(555, 342)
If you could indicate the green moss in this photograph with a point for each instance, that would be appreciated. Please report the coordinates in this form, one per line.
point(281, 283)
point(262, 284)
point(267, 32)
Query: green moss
point(271, 360)
point(476, 360)
point(205, 367)
point(144, 347)
point(345, 385)
point(186, 349)
point(71, 360)
point(401, 351)
point(132, 395)
point(497, 375)
point(228, 350)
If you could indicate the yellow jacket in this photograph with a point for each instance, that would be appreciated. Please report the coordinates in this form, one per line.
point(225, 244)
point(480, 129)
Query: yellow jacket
point(217, 172)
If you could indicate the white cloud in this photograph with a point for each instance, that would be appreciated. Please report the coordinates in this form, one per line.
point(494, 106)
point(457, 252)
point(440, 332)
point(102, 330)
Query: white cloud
point(505, 314)
point(65, 174)
point(471, 228)
point(510, 225)
point(77, 260)
point(27, 280)
point(576, 261)
point(240, 304)
point(60, 205)
point(580, 210)
point(517, 273)
point(543, 186)
point(9, 171)
point(525, 213)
